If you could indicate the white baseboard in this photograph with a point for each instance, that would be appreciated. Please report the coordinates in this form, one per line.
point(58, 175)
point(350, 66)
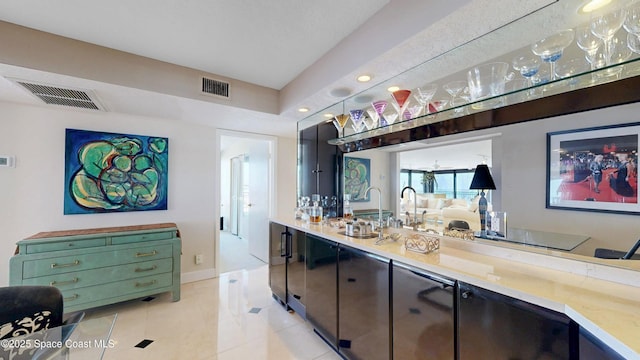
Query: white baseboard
point(197, 275)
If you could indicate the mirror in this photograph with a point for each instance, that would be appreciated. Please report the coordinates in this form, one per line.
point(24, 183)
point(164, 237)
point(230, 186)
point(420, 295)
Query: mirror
point(518, 166)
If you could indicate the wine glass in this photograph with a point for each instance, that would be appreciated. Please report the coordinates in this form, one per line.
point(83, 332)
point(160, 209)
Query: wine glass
point(550, 49)
point(425, 94)
point(619, 53)
point(605, 27)
point(339, 121)
point(632, 20)
point(589, 43)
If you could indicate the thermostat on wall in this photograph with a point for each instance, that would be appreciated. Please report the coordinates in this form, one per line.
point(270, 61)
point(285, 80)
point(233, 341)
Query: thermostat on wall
point(7, 161)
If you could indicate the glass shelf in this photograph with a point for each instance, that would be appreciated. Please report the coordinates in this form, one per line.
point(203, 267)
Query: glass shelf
point(500, 45)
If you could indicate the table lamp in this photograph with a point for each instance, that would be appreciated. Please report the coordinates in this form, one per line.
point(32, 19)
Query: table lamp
point(482, 180)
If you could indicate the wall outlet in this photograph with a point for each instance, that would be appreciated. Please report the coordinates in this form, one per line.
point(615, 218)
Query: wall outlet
point(199, 259)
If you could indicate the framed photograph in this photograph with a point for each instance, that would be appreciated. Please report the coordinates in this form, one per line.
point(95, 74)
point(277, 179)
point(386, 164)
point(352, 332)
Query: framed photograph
point(107, 172)
point(357, 178)
point(594, 169)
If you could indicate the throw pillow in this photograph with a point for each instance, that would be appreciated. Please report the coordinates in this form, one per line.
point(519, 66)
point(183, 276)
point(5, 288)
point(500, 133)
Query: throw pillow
point(473, 204)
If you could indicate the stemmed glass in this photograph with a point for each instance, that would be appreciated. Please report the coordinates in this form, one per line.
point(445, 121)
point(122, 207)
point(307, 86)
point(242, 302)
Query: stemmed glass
point(401, 101)
point(357, 120)
point(632, 25)
point(550, 49)
point(339, 122)
point(454, 88)
point(425, 94)
point(605, 27)
point(589, 43)
point(619, 53)
point(379, 107)
point(371, 121)
point(528, 66)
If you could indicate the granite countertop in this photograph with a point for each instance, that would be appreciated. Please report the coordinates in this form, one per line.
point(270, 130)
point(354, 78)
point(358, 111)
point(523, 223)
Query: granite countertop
point(603, 299)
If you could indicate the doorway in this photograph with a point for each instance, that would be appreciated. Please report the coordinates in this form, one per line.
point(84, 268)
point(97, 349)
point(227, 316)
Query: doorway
point(247, 172)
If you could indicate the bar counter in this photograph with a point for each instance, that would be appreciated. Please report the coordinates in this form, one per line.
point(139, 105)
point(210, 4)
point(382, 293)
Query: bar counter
point(598, 294)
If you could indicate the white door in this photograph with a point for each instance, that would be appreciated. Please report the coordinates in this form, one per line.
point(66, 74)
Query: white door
point(258, 203)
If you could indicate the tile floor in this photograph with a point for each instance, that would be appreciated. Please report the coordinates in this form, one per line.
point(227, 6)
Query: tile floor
point(230, 317)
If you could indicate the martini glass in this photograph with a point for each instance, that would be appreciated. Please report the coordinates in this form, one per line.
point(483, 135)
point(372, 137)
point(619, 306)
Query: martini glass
point(605, 27)
point(550, 49)
point(437, 105)
point(425, 94)
point(339, 122)
point(401, 101)
point(372, 120)
point(357, 117)
point(379, 106)
point(454, 88)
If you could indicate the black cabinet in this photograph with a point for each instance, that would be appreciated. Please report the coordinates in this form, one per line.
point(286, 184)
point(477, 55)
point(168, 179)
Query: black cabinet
point(495, 326)
point(320, 167)
point(322, 288)
point(287, 270)
point(423, 314)
point(363, 305)
point(592, 348)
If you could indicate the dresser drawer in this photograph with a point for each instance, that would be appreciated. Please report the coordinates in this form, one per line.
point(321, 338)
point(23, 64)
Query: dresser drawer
point(127, 239)
point(74, 297)
point(80, 279)
point(66, 245)
point(94, 260)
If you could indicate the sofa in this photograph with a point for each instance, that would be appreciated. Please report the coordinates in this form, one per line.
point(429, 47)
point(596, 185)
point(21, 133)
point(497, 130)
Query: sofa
point(440, 209)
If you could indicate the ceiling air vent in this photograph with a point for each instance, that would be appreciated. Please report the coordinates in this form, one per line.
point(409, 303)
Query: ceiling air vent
point(62, 96)
point(215, 87)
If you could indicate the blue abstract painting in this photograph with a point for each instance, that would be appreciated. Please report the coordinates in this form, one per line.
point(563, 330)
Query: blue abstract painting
point(108, 172)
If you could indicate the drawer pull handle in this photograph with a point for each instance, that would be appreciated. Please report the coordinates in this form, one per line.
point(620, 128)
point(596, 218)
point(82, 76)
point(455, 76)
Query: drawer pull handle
point(55, 265)
point(145, 284)
point(71, 298)
point(60, 283)
point(154, 252)
point(146, 269)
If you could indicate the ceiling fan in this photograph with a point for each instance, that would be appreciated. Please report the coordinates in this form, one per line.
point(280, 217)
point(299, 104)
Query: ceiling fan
point(436, 166)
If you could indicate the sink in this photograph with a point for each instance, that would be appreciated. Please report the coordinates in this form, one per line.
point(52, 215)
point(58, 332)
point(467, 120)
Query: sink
point(360, 236)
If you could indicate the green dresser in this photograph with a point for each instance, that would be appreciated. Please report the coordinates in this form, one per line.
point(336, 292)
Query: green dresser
point(95, 267)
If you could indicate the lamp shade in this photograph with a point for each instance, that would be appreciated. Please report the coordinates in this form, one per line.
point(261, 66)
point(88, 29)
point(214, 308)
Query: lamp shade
point(482, 179)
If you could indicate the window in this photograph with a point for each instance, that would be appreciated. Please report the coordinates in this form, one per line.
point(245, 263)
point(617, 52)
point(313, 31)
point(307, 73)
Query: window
point(452, 183)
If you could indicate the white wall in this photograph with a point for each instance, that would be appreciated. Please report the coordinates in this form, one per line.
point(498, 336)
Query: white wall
point(31, 194)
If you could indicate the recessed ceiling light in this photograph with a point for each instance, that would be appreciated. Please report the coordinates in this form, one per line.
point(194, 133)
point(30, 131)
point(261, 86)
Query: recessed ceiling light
point(303, 109)
point(329, 115)
point(393, 88)
point(593, 5)
point(364, 78)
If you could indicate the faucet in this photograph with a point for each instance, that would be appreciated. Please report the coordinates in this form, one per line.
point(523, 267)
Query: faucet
point(415, 204)
point(380, 221)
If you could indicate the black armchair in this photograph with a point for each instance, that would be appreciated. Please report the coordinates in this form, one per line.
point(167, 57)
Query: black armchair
point(27, 309)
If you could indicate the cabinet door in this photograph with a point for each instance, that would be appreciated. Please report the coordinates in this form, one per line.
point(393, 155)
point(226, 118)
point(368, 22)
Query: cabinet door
point(277, 261)
point(423, 314)
point(296, 270)
point(494, 326)
point(322, 289)
point(328, 161)
point(308, 154)
point(363, 288)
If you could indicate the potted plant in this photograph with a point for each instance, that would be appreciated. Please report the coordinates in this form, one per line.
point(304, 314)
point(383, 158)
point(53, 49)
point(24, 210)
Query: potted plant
point(429, 179)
